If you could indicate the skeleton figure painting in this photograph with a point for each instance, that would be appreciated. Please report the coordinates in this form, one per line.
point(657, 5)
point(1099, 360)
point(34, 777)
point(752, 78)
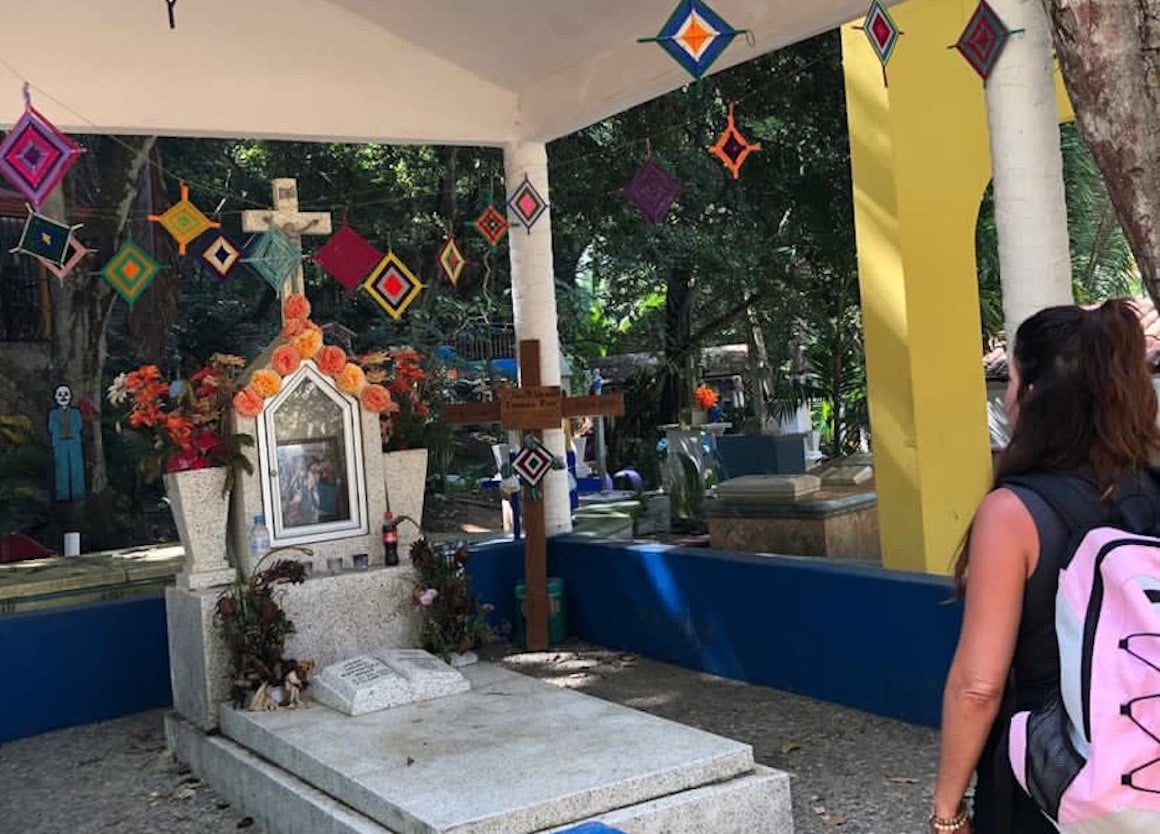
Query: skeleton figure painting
point(65, 425)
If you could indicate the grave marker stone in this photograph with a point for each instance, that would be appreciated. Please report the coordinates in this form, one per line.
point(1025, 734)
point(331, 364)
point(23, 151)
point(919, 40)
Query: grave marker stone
point(386, 679)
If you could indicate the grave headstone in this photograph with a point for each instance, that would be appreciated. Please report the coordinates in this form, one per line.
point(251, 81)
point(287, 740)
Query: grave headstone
point(389, 678)
point(360, 685)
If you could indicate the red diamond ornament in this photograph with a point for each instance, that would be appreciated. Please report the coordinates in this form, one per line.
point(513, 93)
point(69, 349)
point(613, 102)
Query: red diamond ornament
point(527, 204)
point(347, 257)
point(492, 225)
point(392, 285)
point(983, 39)
point(882, 32)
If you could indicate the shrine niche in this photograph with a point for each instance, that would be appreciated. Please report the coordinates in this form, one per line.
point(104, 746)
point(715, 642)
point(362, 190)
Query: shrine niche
point(311, 460)
point(318, 472)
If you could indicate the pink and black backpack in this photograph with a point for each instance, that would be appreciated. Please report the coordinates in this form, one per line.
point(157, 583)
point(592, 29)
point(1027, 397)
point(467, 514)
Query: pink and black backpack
point(1090, 756)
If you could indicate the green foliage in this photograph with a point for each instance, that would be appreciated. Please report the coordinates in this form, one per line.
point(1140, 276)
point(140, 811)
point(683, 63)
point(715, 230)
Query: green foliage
point(23, 462)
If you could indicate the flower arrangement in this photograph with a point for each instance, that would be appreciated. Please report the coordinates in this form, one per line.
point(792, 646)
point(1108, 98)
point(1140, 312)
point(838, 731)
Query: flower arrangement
point(301, 339)
point(704, 397)
point(185, 421)
point(453, 619)
point(407, 420)
point(255, 626)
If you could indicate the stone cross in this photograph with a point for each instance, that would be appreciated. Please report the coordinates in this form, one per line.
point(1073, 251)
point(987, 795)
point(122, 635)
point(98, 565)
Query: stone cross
point(533, 407)
point(286, 216)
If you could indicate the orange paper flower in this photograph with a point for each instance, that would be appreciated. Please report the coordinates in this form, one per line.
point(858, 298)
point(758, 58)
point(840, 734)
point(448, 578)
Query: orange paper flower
point(351, 380)
point(705, 397)
point(265, 383)
point(285, 360)
point(247, 403)
point(293, 327)
point(377, 399)
point(296, 307)
point(331, 360)
point(308, 342)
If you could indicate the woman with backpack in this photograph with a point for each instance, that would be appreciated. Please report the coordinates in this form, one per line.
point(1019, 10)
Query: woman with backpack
point(1083, 418)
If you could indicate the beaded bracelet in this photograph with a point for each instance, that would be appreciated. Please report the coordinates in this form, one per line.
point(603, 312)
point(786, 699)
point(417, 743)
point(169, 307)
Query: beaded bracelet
point(956, 822)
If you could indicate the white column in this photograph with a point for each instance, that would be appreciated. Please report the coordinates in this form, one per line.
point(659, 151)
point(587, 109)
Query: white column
point(1030, 210)
point(534, 308)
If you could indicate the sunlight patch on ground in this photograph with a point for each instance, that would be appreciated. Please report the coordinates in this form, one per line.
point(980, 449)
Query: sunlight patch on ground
point(651, 701)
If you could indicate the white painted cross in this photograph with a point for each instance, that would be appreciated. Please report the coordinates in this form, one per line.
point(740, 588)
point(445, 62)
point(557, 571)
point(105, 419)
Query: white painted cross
point(293, 222)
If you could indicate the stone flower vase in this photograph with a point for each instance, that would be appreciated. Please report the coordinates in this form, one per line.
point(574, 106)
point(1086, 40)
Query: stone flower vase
point(201, 515)
point(406, 476)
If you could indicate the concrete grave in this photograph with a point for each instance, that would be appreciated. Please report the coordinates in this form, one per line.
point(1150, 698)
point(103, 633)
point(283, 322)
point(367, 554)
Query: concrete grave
point(514, 755)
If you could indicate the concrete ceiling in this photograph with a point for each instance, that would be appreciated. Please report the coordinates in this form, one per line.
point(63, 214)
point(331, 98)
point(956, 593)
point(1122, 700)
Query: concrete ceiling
point(396, 71)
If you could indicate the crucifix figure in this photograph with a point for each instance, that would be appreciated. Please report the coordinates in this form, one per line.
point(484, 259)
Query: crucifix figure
point(532, 408)
point(293, 222)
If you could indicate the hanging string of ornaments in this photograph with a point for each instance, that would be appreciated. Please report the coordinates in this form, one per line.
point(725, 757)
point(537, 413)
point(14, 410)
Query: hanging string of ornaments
point(35, 156)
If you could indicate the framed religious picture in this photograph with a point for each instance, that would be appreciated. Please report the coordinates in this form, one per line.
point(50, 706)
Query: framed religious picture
point(310, 450)
point(312, 482)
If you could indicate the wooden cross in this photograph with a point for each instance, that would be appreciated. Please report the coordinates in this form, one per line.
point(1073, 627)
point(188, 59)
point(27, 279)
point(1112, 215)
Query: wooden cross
point(532, 408)
point(293, 222)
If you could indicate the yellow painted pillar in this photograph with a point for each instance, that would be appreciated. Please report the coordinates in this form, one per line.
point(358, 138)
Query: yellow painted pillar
point(920, 165)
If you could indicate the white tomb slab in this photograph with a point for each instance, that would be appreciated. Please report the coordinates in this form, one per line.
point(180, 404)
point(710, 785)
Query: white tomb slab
point(514, 755)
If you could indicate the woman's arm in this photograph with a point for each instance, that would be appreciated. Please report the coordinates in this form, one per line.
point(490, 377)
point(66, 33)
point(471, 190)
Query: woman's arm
point(1003, 552)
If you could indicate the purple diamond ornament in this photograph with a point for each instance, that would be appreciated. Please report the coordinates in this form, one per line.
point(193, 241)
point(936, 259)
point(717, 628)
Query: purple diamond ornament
point(652, 191)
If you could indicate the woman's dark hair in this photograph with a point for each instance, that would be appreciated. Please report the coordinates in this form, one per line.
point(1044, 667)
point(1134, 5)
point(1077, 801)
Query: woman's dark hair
point(1085, 398)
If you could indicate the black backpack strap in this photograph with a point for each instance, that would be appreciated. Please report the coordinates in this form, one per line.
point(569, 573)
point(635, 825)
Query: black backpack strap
point(1073, 498)
point(1076, 499)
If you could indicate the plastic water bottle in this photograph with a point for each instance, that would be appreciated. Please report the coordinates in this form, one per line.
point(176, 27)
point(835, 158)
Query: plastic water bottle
point(259, 539)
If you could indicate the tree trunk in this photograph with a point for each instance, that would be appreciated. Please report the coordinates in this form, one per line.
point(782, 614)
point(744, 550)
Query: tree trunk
point(758, 366)
point(678, 332)
point(1027, 165)
point(81, 305)
point(1109, 53)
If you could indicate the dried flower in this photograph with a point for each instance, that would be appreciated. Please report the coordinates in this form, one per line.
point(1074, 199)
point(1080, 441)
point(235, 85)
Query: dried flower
point(331, 360)
point(265, 383)
point(351, 380)
point(296, 307)
point(285, 360)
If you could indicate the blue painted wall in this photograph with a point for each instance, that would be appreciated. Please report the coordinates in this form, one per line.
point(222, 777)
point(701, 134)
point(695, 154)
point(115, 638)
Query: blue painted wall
point(877, 640)
point(72, 666)
point(869, 638)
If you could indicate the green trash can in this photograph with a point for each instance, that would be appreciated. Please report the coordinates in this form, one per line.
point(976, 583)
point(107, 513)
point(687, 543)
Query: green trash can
point(557, 613)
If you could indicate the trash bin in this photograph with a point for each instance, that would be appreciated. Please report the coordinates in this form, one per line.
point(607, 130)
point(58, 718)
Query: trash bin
point(557, 613)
